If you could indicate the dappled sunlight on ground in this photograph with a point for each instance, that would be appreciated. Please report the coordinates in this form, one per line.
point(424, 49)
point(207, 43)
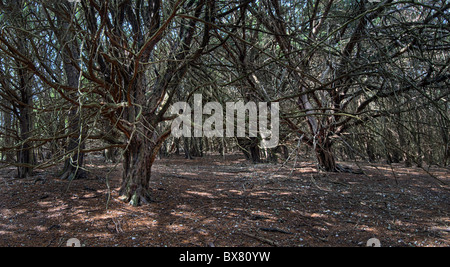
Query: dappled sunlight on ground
point(207, 202)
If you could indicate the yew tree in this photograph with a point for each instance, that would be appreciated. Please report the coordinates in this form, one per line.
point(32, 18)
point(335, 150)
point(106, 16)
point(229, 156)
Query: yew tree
point(340, 59)
point(123, 61)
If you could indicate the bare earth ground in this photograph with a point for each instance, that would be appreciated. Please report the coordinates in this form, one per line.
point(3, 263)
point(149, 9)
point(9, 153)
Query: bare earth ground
point(212, 202)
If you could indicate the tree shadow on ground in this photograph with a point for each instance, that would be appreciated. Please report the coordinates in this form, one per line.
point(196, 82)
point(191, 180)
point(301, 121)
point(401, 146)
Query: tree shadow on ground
point(206, 202)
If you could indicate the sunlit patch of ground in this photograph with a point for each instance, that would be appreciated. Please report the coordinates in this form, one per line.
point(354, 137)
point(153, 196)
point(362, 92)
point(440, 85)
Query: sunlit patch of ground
point(210, 201)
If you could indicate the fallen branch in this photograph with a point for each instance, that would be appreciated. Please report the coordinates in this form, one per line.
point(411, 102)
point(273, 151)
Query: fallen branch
point(183, 177)
point(275, 230)
point(262, 239)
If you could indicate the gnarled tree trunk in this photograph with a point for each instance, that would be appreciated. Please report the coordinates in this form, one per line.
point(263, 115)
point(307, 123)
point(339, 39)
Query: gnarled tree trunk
point(25, 154)
point(139, 157)
point(71, 52)
point(325, 156)
point(137, 170)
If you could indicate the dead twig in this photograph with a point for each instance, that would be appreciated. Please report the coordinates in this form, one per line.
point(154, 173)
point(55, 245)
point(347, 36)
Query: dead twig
point(118, 226)
point(262, 239)
point(275, 230)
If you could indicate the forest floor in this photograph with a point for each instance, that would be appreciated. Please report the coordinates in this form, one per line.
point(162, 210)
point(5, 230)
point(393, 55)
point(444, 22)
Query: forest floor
point(229, 203)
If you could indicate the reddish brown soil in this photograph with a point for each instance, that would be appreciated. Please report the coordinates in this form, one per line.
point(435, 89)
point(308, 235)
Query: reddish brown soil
point(217, 202)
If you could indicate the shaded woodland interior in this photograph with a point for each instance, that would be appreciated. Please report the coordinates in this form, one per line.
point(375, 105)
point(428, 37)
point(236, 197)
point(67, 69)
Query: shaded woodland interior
point(86, 90)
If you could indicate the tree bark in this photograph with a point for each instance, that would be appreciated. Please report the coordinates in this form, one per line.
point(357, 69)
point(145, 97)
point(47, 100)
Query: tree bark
point(139, 157)
point(443, 125)
point(8, 156)
point(370, 150)
point(24, 156)
point(325, 156)
point(187, 148)
point(73, 165)
point(70, 54)
point(137, 170)
point(249, 146)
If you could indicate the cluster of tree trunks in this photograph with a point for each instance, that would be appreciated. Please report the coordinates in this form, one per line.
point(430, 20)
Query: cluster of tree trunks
point(108, 71)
